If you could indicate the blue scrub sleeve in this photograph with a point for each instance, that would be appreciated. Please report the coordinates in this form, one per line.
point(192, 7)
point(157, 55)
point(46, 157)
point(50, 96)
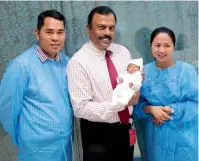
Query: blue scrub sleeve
point(12, 90)
point(138, 108)
point(187, 108)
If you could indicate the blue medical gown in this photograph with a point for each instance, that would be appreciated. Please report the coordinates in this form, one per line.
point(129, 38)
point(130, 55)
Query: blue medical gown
point(177, 87)
point(35, 108)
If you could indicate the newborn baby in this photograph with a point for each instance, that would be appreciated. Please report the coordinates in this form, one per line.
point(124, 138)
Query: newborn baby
point(128, 83)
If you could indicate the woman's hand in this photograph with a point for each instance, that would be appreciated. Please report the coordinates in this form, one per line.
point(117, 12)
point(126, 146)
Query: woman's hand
point(159, 113)
point(158, 123)
point(167, 109)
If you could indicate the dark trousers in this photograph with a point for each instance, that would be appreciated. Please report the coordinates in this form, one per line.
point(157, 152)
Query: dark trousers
point(106, 142)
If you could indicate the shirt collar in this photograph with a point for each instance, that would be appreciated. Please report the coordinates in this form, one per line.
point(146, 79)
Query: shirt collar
point(98, 51)
point(43, 57)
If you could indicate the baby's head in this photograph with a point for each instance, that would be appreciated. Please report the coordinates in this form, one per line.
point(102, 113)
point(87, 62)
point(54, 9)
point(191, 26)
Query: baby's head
point(135, 65)
point(132, 68)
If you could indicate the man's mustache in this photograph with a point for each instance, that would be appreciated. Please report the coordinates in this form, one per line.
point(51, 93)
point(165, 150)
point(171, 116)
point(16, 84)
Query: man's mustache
point(105, 37)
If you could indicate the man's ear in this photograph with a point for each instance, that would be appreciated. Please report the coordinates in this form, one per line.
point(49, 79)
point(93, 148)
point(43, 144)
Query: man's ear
point(37, 34)
point(88, 29)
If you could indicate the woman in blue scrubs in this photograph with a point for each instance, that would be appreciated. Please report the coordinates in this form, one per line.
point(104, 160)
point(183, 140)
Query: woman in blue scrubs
point(169, 103)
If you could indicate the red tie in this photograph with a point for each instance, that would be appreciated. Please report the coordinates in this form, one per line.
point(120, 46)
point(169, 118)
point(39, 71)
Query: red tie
point(123, 115)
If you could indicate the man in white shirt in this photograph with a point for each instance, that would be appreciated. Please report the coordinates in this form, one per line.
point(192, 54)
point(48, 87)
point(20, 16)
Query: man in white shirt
point(104, 137)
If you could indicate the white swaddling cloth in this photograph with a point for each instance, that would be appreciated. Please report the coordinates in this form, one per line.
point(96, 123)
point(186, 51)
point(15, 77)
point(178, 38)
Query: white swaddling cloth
point(123, 92)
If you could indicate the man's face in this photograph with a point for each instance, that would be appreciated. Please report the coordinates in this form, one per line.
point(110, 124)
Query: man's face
point(51, 36)
point(102, 30)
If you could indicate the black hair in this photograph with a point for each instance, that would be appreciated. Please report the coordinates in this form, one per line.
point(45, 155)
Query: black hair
point(49, 13)
point(102, 10)
point(163, 30)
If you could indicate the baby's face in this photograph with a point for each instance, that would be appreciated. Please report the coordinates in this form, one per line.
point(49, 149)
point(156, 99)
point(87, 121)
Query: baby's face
point(132, 68)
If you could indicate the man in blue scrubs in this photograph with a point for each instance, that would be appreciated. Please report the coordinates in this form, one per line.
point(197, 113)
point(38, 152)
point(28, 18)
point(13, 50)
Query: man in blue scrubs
point(34, 102)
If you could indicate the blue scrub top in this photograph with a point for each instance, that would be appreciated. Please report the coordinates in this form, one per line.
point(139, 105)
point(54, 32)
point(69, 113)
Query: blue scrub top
point(177, 87)
point(35, 108)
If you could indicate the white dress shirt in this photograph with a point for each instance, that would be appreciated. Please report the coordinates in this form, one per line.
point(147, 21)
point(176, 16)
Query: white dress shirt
point(89, 82)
